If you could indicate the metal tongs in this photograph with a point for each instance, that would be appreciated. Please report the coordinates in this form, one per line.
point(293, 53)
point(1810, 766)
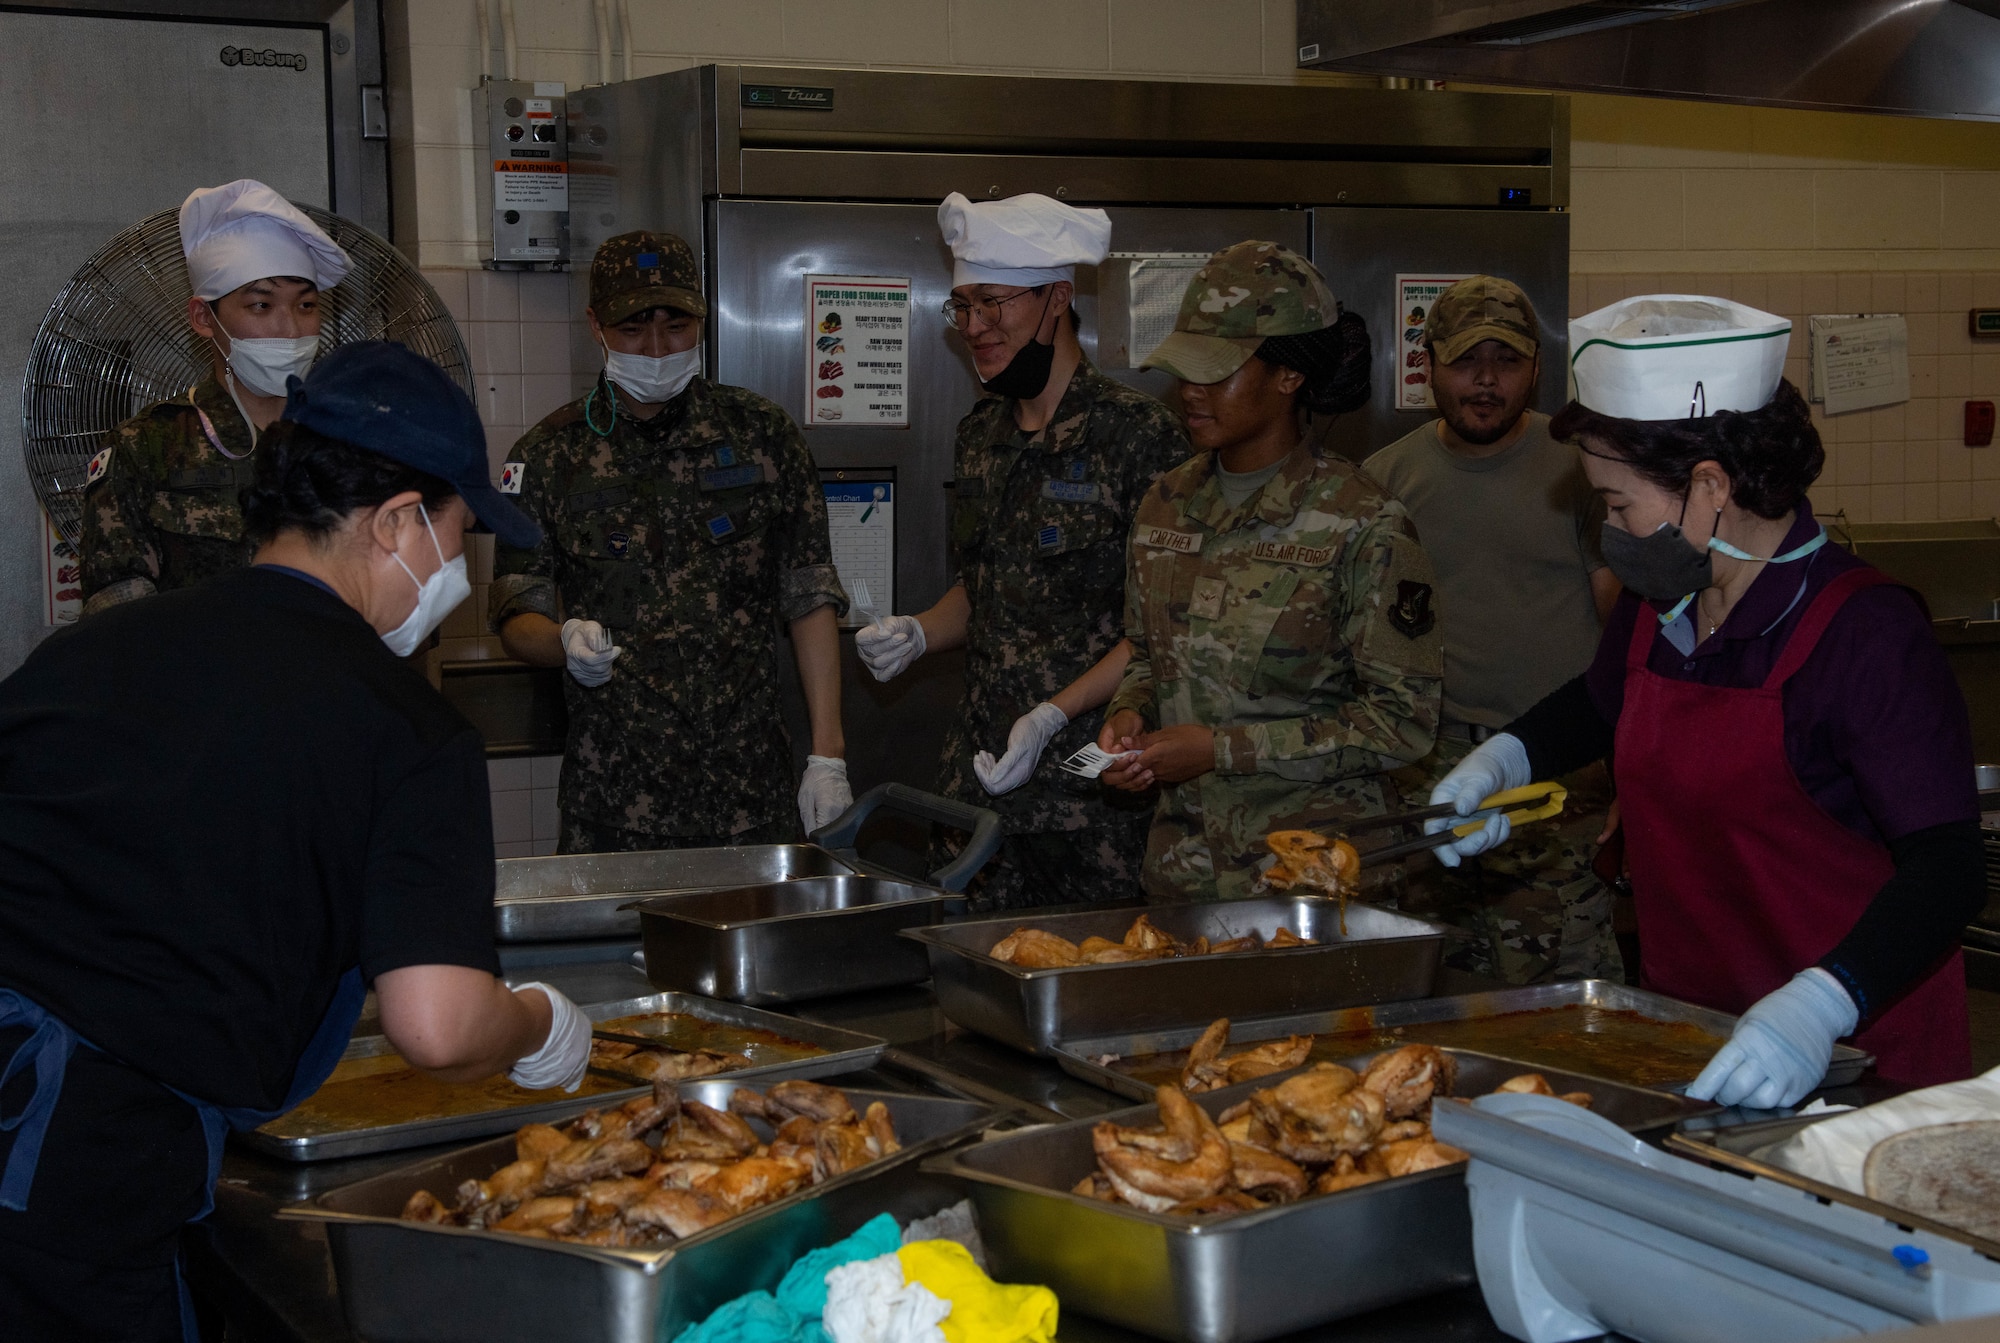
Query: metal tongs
point(1551, 796)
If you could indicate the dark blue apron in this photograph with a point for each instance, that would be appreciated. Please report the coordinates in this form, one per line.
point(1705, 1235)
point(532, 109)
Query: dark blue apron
point(51, 1042)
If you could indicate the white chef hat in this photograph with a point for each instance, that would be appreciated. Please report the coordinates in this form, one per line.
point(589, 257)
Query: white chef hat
point(1025, 240)
point(243, 231)
point(1670, 356)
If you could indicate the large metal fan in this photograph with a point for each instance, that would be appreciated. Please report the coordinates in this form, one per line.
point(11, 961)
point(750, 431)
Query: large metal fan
point(116, 339)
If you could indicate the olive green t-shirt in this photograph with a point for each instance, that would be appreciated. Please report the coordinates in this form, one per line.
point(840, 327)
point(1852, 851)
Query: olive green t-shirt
point(1514, 540)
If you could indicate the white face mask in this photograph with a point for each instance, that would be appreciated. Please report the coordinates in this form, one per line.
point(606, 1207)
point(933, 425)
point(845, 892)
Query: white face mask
point(262, 363)
point(652, 380)
point(437, 597)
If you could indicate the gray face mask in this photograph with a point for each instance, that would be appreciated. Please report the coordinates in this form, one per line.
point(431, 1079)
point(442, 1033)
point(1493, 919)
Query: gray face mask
point(1661, 567)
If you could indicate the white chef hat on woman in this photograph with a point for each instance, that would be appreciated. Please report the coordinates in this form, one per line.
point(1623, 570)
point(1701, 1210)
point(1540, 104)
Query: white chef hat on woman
point(243, 231)
point(1672, 356)
point(1023, 240)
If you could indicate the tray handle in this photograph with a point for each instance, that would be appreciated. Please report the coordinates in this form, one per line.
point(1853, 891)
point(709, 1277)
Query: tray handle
point(840, 833)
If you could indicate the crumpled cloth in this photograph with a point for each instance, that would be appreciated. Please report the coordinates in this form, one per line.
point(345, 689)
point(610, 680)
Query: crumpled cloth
point(868, 1302)
point(958, 1222)
point(982, 1310)
point(1834, 1151)
point(792, 1314)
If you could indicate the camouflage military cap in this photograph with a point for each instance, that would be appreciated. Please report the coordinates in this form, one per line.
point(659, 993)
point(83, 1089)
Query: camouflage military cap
point(1481, 307)
point(636, 271)
point(1241, 295)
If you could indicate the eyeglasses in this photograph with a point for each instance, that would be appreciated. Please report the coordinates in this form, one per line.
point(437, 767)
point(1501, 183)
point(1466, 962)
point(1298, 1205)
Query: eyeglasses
point(958, 312)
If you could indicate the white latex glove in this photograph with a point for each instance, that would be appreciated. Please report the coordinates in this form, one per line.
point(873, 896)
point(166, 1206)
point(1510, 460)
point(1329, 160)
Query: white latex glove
point(1495, 765)
point(890, 644)
point(564, 1054)
point(588, 649)
point(1781, 1046)
point(1030, 736)
point(823, 792)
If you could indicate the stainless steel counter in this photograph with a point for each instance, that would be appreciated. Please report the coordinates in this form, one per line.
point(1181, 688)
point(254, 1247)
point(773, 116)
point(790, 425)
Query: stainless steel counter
point(274, 1280)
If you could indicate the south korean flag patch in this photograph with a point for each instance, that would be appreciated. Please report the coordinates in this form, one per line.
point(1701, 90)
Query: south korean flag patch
point(98, 466)
point(510, 477)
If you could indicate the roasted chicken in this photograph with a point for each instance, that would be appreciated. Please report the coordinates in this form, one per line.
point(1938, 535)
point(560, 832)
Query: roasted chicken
point(1322, 1130)
point(1309, 861)
point(1208, 1069)
point(658, 1168)
point(1037, 949)
point(662, 1064)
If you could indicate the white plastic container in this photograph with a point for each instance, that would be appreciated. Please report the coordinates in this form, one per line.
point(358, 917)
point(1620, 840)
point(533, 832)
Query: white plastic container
point(1580, 1229)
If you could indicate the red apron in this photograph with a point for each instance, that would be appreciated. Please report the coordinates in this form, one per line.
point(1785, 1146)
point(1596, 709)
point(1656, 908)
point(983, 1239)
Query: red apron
point(1740, 879)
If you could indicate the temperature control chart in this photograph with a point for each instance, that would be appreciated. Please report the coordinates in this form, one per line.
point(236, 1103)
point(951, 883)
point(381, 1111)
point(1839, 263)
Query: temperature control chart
point(857, 351)
point(861, 521)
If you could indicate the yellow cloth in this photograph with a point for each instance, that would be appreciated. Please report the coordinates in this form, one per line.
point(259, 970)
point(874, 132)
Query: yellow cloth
point(982, 1310)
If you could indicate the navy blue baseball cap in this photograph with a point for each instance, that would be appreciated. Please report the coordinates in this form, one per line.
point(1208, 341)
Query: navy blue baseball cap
point(389, 399)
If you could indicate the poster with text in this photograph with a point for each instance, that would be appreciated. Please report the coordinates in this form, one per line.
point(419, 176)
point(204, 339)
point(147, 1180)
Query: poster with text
point(62, 577)
point(1414, 296)
point(857, 351)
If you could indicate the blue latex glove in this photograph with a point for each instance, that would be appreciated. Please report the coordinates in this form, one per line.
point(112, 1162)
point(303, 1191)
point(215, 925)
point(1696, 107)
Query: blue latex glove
point(1781, 1046)
point(1495, 765)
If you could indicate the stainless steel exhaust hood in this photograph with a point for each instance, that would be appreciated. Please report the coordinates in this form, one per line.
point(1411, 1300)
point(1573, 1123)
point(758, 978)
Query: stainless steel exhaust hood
point(1935, 58)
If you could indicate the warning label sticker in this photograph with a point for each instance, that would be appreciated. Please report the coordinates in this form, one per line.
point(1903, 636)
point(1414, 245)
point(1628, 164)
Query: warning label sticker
point(526, 184)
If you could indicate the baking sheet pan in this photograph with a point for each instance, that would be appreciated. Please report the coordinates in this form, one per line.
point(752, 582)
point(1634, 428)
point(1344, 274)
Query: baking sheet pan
point(1383, 956)
point(1256, 1275)
point(788, 941)
point(1590, 1026)
point(412, 1281)
point(1737, 1147)
point(567, 897)
point(823, 1051)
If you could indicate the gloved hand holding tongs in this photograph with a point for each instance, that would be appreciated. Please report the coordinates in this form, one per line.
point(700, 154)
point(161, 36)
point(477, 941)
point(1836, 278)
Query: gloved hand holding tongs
point(1490, 819)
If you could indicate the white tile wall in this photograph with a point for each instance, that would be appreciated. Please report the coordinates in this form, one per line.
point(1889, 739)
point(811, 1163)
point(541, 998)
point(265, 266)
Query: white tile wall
point(525, 819)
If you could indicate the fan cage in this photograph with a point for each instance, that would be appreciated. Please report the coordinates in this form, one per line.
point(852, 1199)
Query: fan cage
point(117, 339)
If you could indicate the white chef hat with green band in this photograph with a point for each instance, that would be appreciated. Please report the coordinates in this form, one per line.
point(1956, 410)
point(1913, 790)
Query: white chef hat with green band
point(1672, 356)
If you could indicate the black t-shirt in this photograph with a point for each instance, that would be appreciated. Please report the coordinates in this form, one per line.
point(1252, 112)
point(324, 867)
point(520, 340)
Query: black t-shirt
point(215, 801)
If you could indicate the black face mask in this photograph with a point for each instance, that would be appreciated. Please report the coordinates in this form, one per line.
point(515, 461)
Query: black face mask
point(1027, 373)
point(1661, 567)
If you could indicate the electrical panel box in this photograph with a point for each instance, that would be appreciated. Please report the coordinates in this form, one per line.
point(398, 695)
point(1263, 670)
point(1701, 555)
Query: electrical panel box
point(525, 195)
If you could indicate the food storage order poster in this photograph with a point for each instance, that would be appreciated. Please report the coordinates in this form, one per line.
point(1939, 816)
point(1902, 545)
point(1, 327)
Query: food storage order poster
point(1414, 296)
point(857, 351)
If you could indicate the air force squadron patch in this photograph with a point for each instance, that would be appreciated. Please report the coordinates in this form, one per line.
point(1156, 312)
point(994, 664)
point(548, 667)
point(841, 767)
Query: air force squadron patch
point(98, 466)
point(1412, 615)
point(511, 474)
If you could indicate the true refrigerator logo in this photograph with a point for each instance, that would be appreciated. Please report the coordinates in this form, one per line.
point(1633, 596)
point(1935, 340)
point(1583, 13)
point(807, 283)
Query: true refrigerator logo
point(791, 96)
point(281, 60)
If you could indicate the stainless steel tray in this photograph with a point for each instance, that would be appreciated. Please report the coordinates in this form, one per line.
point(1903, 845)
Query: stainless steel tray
point(1079, 1056)
point(841, 1051)
point(410, 1281)
point(785, 941)
point(1383, 956)
point(1737, 1147)
point(1250, 1277)
point(575, 896)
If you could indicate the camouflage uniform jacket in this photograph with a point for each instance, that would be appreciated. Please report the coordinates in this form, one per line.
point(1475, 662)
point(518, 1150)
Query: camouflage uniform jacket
point(164, 513)
point(1038, 527)
point(1300, 627)
point(689, 536)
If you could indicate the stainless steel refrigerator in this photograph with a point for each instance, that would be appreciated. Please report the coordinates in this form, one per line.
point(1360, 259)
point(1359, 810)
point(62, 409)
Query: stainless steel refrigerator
point(775, 174)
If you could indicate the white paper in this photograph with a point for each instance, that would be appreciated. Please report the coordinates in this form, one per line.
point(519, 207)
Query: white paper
point(1835, 1151)
point(1089, 762)
point(1414, 296)
point(1158, 285)
point(530, 184)
point(857, 351)
point(1859, 362)
point(861, 522)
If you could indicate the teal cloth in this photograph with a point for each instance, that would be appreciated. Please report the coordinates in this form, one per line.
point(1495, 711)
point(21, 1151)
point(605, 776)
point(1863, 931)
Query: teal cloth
point(793, 1314)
